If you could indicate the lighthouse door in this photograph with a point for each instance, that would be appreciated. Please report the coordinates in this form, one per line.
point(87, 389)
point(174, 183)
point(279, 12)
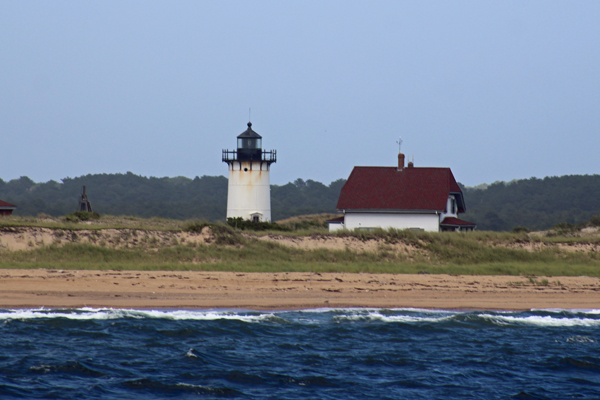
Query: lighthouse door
point(256, 217)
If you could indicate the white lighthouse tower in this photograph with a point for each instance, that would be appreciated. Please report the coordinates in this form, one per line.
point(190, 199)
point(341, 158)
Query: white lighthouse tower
point(249, 191)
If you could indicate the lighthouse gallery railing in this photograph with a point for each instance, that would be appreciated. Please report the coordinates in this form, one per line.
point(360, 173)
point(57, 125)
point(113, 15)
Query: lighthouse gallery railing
point(258, 155)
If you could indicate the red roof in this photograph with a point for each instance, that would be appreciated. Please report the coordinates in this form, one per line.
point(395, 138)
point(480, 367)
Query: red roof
point(5, 204)
point(456, 222)
point(386, 188)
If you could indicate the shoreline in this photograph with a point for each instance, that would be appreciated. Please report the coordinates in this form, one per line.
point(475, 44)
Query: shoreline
point(24, 288)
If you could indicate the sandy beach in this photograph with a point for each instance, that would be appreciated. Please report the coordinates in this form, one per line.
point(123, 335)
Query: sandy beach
point(21, 288)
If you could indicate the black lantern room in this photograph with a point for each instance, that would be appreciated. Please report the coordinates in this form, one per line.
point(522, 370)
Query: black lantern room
point(249, 145)
point(249, 148)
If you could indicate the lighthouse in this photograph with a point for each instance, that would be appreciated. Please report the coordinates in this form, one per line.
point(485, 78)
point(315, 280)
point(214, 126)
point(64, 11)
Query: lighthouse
point(249, 190)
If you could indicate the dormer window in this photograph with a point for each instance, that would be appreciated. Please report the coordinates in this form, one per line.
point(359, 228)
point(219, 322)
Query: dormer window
point(451, 207)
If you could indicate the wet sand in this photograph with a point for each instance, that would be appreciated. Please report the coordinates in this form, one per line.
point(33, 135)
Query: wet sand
point(286, 291)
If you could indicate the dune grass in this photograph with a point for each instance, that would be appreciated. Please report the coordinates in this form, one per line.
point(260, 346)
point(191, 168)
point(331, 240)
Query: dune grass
point(105, 222)
point(460, 257)
point(472, 253)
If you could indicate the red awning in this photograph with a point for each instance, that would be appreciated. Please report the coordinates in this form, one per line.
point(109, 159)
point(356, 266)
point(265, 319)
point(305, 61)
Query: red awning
point(451, 221)
point(4, 204)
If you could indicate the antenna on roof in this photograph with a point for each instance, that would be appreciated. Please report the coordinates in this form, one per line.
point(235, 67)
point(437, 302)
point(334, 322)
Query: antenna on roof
point(399, 141)
point(249, 114)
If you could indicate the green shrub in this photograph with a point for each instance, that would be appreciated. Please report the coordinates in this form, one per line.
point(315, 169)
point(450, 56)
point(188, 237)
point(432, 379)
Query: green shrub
point(195, 226)
point(595, 220)
point(82, 216)
point(565, 227)
point(581, 226)
point(223, 234)
point(520, 229)
point(247, 225)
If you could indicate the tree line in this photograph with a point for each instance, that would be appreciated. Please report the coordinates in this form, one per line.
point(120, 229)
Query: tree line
point(202, 198)
point(536, 204)
point(532, 203)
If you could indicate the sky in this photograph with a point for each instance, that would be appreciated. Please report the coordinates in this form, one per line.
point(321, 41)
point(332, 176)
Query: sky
point(495, 90)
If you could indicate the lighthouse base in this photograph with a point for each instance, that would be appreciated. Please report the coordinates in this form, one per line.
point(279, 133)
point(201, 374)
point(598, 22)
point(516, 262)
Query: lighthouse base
point(249, 191)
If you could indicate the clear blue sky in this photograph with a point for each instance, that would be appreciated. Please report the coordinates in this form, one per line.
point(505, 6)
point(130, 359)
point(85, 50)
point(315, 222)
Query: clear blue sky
point(495, 90)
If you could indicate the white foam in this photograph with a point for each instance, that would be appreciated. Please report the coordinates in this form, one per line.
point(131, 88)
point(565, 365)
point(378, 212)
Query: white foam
point(404, 315)
point(109, 313)
point(580, 339)
point(574, 311)
point(46, 314)
point(377, 316)
point(538, 320)
point(329, 310)
point(191, 354)
point(203, 315)
point(425, 310)
point(360, 309)
point(349, 314)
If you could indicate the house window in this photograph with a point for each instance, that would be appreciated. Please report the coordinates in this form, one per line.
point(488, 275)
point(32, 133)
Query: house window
point(452, 205)
point(255, 218)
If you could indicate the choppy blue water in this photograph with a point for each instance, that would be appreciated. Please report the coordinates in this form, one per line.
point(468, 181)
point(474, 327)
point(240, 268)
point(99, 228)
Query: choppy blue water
point(319, 354)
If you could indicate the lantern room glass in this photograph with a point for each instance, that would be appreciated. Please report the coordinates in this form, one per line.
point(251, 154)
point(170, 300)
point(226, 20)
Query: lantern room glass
point(249, 143)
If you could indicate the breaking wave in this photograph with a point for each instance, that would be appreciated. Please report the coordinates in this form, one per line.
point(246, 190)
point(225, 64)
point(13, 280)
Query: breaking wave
point(542, 318)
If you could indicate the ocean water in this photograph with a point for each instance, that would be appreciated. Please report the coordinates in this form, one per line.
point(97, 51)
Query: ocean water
point(312, 354)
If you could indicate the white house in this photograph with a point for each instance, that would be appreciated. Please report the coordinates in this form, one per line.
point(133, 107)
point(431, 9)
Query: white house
point(401, 197)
